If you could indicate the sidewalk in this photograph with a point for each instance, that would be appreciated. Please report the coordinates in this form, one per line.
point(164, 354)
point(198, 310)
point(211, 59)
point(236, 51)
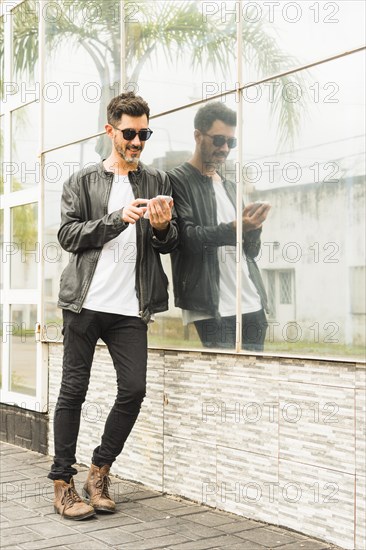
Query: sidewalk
point(145, 520)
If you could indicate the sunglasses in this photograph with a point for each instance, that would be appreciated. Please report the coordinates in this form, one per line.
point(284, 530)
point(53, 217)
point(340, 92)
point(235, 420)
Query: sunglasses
point(219, 141)
point(129, 133)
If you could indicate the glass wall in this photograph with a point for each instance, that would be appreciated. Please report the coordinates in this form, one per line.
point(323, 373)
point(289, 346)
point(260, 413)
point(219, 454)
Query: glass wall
point(82, 67)
point(301, 135)
point(59, 165)
point(22, 349)
point(25, 167)
point(21, 261)
point(175, 55)
point(313, 240)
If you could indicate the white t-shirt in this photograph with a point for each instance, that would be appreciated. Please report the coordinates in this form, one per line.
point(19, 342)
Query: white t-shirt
point(112, 289)
point(250, 299)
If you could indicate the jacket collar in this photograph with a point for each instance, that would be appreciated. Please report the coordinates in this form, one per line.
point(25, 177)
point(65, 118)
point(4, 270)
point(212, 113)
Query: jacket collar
point(140, 169)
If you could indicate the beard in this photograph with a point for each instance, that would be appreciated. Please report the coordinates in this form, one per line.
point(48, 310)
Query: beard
point(211, 160)
point(127, 152)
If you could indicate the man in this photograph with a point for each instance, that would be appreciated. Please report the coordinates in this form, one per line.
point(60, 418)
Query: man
point(204, 265)
point(113, 284)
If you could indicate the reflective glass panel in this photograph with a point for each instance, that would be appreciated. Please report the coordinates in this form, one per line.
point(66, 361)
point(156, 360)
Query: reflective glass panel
point(176, 53)
point(312, 258)
point(23, 349)
point(1, 342)
point(76, 93)
point(59, 165)
point(1, 55)
point(1, 248)
point(207, 232)
point(25, 166)
point(25, 46)
point(1, 155)
point(282, 35)
point(24, 252)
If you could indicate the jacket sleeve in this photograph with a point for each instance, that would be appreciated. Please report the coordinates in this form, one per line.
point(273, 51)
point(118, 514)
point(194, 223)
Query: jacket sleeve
point(76, 232)
point(171, 239)
point(195, 237)
point(252, 243)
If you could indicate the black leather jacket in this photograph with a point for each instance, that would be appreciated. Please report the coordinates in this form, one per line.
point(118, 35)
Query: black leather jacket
point(86, 226)
point(196, 272)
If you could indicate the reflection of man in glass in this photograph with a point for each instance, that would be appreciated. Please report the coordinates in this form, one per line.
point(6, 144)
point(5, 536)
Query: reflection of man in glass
point(204, 266)
point(112, 285)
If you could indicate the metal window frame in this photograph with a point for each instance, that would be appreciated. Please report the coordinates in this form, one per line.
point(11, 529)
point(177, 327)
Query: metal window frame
point(9, 200)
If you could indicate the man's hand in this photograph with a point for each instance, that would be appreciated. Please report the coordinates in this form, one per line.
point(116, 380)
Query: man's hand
point(160, 213)
point(254, 216)
point(134, 211)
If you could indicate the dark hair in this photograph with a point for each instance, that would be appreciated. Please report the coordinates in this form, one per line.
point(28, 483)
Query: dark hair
point(206, 116)
point(126, 104)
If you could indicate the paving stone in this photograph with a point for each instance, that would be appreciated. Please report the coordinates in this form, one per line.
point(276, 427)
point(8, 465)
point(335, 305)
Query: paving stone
point(144, 513)
point(45, 511)
point(185, 510)
point(130, 505)
point(87, 545)
point(306, 545)
point(216, 542)
point(56, 542)
point(11, 476)
point(169, 523)
point(100, 522)
point(20, 522)
point(35, 471)
point(115, 537)
point(34, 501)
point(153, 533)
point(154, 543)
point(196, 531)
point(122, 492)
point(15, 510)
point(21, 491)
point(162, 503)
point(238, 526)
point(210, 518)
point(51, 529)
point(8, 449)
point(143, 494)
point(267, 537)
point(248, 545)
point(17, 535)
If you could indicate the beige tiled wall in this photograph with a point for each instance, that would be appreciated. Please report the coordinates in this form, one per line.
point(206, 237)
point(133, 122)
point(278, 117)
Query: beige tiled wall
point(278, 440)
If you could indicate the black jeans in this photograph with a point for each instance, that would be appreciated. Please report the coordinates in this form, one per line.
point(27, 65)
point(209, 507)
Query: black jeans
point(221, 333)
point(126, 339)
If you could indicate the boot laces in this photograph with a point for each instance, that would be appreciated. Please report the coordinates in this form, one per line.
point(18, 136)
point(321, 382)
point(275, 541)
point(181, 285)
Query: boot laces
point(102, 485)
point(69, 497)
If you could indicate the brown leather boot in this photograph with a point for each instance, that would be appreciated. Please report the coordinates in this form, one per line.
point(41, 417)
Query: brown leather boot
point(68, 503)
point(96, 489)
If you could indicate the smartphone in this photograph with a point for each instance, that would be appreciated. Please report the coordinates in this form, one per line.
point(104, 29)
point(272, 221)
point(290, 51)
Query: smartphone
point(258, 204)
point(168, 198)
